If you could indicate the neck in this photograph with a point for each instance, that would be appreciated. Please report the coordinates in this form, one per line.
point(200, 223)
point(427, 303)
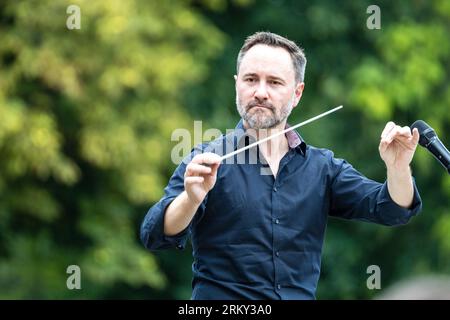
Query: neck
point(275, 147)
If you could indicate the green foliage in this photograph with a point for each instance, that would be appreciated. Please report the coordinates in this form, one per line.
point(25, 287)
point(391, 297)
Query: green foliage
point(86, 120)
point(87, 116)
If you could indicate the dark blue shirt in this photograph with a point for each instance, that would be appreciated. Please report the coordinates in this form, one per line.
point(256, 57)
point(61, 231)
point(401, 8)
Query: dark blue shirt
point(260, 237)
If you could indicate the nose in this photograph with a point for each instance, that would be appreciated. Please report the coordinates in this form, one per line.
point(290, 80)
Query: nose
point(261, 91)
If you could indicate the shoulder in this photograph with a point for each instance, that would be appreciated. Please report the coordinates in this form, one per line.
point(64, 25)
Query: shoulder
point(326, 158)
point(319, 153)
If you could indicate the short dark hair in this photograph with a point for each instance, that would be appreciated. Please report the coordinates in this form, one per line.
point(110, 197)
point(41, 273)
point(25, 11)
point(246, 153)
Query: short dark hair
point(275, 40)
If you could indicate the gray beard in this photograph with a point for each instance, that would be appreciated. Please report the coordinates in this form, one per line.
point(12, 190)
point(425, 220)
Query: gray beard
point(259, 120)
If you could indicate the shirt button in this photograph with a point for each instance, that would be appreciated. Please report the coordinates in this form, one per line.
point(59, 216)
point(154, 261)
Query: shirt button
point(277, 254)
point(278, 286)
point(275, 189)
point(277, 221)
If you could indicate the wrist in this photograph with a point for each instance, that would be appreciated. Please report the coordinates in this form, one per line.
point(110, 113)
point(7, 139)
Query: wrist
point(398, 170)
point(189, 201)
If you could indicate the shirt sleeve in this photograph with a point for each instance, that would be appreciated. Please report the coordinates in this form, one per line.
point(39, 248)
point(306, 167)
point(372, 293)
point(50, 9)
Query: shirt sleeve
point(152, 228)
point(353, 196)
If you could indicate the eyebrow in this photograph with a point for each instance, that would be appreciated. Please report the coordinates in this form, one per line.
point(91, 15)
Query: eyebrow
point(270, 77)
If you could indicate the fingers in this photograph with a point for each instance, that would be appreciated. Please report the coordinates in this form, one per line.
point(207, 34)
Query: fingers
point(390, 130)
point(203, 164)
point(194, 169)
point(391, 135)
point(402, 135)
point(389, 126)
point(214, 169)
point(406, 132)
point(416, 136)
point(398, 132)
point(383, 145)
point(193, 180)
point(206, 158)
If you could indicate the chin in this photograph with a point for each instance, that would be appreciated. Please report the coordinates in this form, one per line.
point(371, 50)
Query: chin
point(260, 124)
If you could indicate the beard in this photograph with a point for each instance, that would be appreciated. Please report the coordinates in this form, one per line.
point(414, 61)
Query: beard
point(263, 118)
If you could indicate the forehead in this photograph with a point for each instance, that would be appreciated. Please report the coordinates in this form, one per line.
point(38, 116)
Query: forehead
point(263, 59)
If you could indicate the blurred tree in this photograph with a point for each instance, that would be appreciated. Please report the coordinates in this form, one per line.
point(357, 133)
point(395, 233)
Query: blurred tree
point(86, 120)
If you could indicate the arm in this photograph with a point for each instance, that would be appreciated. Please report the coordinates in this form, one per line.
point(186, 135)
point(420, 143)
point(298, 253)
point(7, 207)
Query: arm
point(400, 186)
point(397, 147)
point(179, 214)
point(198, 180)
point(166, 223)
point(355, 197)
point(391, 203)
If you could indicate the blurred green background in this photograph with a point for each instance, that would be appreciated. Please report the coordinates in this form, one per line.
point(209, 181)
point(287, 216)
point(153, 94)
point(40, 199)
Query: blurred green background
point(86, 118)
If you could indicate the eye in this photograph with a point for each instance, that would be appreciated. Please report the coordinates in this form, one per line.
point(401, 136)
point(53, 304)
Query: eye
point(249, 80)
point(275, 82)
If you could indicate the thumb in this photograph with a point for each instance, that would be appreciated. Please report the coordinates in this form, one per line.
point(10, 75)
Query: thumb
point(214, 167)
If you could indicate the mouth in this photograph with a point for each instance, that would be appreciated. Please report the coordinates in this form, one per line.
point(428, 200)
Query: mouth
point(260, 106)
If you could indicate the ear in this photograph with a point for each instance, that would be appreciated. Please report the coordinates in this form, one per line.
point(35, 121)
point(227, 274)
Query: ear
point(235, 78)
point(298, 92)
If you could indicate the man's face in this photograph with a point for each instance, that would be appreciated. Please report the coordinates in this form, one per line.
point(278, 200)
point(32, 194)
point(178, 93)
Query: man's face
point(266, 90)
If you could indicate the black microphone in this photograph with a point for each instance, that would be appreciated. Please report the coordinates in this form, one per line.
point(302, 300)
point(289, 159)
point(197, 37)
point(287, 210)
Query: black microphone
point(428, 139)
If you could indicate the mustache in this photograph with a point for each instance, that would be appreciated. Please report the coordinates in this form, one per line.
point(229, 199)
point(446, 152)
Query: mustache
point(260, 104)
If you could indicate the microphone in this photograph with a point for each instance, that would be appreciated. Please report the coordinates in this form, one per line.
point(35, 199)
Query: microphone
point(428, 139)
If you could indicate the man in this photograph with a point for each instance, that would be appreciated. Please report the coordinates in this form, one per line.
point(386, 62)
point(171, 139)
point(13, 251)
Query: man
point(260, 236)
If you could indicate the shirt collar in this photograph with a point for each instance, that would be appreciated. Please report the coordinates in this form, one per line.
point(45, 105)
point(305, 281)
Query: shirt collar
point(295, 141)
